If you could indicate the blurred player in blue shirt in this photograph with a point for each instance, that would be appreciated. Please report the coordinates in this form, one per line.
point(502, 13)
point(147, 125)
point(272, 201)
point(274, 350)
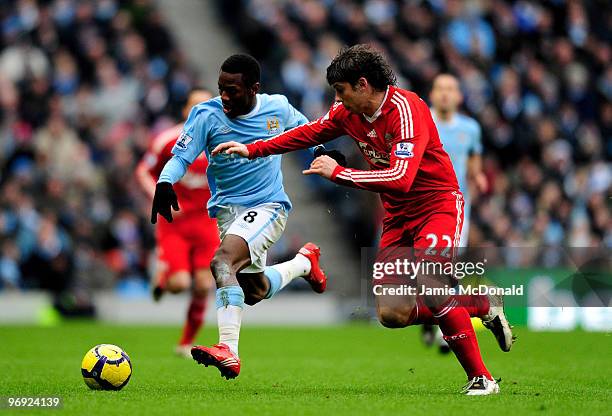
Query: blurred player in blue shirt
point(461, 138)
point(247, 199)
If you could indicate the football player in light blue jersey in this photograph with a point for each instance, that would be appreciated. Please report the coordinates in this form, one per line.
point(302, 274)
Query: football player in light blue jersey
point(460, 136)
point(247, 199)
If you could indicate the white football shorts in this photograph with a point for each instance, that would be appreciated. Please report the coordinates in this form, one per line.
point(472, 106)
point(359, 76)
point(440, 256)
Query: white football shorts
point(260, 226)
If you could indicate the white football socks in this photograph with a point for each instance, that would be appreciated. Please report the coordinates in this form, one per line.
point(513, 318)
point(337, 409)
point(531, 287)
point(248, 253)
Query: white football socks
point(229, 319)
point(229, 316)
point(297, 267)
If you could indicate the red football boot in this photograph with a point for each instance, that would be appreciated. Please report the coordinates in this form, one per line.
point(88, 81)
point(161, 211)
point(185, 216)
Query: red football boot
point(316, 278)
point(220, 356)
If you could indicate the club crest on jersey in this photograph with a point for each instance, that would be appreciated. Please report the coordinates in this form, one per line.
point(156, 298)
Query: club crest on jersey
point(183, 140)
point(404, 150)
point(273, 125)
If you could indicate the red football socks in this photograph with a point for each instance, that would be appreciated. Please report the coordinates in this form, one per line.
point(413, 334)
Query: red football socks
point(455, 324)
point(476, 305)
point(195, 319)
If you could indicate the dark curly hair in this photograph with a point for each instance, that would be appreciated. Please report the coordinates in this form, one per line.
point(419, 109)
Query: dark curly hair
point(358, 61)
point(243, 64)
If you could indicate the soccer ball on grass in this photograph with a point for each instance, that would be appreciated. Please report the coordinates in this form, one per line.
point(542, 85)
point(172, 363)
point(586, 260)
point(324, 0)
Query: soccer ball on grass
point(106, 367)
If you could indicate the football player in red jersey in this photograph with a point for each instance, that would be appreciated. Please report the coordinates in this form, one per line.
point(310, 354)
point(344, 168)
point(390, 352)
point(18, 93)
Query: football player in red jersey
point(185, 247)
point(394, 130)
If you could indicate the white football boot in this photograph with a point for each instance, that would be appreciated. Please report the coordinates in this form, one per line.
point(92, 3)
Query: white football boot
point(496, 322)
point(480, 386)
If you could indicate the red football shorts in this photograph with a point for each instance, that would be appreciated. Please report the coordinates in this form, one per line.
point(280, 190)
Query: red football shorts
point(428, 229)
point(186, 244)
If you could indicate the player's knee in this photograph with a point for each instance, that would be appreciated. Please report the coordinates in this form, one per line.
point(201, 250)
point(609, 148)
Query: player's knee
point(221, 264)
point(396, 317)
point(178, 282)
point(203, 283)
point(254, 296)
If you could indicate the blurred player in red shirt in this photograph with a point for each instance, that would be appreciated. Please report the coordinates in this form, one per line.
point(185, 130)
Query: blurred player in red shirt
point(418, 187)
point(185, 247)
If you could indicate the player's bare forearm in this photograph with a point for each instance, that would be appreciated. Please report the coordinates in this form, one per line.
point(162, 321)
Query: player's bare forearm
point(476, 173)
point(474, 165)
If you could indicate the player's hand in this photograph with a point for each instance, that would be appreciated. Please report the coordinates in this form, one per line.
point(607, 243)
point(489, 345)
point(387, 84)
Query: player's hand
point(231, 148)
point(334, 154)
point(323, 166)
point(163, 202)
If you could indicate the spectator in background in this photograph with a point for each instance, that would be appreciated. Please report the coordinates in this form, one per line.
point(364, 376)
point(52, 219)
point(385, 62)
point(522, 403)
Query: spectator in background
point(83, 85)
point(10, 274)
point(461, 137)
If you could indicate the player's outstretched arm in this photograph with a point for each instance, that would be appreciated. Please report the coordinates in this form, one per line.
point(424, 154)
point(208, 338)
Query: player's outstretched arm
point(398, 177)
point(304, 136)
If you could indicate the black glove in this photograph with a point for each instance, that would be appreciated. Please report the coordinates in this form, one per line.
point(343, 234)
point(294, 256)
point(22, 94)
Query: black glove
point(163, 201)
point(334, 154)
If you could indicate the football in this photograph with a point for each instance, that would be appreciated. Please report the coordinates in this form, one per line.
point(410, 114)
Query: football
point(106, 367)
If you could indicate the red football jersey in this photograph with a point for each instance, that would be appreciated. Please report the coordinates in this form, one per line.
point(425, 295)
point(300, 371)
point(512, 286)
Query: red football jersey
point(400, 142)
point(192, 190)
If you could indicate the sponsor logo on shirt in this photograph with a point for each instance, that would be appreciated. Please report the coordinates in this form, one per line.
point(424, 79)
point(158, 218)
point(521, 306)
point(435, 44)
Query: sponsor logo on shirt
point(404, 150)
point(372, 134)
point(183, 140)
point(374, 156)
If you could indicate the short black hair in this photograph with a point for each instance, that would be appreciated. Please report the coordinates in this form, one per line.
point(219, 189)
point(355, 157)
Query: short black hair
point(358, 61)
point(243, 64)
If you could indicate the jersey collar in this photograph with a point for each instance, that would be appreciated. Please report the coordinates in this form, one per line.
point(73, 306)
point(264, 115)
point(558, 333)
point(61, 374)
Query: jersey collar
point(379, 109)
point(436, 120)
point(254, 111)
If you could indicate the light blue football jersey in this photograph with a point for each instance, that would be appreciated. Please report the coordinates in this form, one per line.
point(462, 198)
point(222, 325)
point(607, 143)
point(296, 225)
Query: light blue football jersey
point(234, 180)
point(461, 138)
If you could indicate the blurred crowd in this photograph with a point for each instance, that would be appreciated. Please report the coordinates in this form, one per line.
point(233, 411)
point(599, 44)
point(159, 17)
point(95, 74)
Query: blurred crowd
point(537, 75)
point(85, 84)
point(83, 87)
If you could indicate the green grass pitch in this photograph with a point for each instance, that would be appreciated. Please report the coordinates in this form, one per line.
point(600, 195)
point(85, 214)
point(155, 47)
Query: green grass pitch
point(352, 370)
